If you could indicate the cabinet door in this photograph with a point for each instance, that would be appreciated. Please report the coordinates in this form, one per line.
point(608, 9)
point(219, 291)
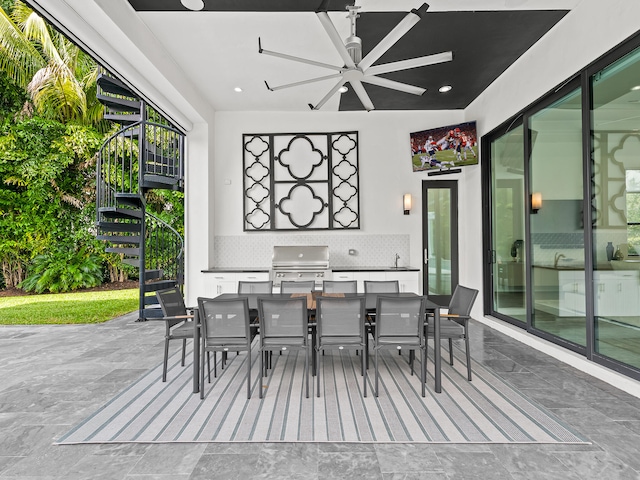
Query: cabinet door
point(360, 277)
point(224, 283)
point(408, 281)
point(252, 277)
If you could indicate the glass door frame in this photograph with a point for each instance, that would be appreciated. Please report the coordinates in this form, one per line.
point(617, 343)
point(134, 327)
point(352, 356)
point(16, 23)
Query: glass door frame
point(452, 186)
point(583, 80)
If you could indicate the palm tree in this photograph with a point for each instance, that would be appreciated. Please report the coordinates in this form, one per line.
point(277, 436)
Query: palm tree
point(59, 77)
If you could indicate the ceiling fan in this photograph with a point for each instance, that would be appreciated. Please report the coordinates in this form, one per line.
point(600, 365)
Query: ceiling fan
point(357, 70)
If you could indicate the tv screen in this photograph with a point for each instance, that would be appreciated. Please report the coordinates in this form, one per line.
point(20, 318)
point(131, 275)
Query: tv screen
point(444, 148)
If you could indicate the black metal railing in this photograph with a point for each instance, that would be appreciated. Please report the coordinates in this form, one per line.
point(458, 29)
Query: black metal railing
point(164, 249)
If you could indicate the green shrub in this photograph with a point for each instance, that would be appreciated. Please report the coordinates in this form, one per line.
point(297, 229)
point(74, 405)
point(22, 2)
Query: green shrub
point(63, 270)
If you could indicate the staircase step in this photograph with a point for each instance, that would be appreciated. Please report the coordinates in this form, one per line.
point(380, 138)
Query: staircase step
point(150, 179)
point(116, 212)
point(112, 85)
point(123, 119)
point(134, 262)
point(130, 199)
point(161, 285)
point(131, 132)
point(118, 227)
point(120, 239)
point(117, 104)
point(151, 300)
point(153, 274)
point(125, 250)
point(152, 313)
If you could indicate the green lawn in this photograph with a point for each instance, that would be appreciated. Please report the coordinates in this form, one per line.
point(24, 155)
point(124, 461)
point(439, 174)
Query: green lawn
point(65, 308)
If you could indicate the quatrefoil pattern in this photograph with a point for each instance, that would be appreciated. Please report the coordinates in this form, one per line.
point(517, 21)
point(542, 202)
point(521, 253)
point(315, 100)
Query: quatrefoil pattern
point(301, 181)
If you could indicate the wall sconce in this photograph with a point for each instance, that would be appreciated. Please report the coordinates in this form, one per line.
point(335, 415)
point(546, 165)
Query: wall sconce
point(406, 202)
point(536, 202)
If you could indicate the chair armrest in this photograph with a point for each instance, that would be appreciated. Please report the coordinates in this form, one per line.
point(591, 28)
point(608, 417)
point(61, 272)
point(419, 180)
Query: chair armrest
point(178, 317)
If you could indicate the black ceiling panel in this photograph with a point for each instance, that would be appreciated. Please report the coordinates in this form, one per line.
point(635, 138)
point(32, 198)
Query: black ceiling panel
point(484, 45)
point(240, 5)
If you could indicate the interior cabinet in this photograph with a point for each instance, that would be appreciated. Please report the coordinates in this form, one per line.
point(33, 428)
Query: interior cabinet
point(617, 293)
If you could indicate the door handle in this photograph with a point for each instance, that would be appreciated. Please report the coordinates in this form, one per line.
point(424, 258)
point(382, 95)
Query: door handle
point(426, 256)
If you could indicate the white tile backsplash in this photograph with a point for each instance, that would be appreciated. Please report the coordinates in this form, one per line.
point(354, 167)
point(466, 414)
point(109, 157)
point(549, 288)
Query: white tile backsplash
point(255, 250)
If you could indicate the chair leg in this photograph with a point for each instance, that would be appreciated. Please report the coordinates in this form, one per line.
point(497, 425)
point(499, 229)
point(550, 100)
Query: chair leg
point(166, 360)
point(209, 366)
point(249, 373)
point(262, 353)
point(375, 351)
point(184, 349)
point(364, 373)
point(306, 369)
point(215, 364)
point(423, 363)
point(450, 351)
point(201, 359)
point(317, 354)
point(466, 345)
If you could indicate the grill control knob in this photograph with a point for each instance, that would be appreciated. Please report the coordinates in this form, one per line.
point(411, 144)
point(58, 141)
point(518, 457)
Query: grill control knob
point(299, 275)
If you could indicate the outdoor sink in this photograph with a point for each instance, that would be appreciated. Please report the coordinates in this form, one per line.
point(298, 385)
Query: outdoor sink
point(625, 264)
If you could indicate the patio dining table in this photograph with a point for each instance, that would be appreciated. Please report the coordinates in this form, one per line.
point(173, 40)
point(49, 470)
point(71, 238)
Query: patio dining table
point(371, 300)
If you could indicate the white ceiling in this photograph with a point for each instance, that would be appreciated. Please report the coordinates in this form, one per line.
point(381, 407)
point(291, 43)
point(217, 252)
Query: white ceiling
point(218, 51)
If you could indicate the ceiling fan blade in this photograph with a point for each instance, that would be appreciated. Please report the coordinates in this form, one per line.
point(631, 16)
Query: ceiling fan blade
point(385, 82)
point(393, 36)
point(330, 28)
point(296, 59)
point(411, 63)
point(331, 93)
point(303, 82)
point(362, 95)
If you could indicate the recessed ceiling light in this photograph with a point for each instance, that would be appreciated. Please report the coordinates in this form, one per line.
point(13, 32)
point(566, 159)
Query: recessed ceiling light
point(237, 89)
point(637, 87)
point(445, 88)
point(343, 89)
point(193, 4)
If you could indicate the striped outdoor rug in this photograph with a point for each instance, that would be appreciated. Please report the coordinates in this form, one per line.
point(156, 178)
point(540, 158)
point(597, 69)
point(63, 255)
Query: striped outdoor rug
point(486, 410)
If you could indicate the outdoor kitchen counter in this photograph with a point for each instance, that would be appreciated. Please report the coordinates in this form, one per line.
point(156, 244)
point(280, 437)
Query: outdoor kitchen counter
point(374, 269)
point(236, 270)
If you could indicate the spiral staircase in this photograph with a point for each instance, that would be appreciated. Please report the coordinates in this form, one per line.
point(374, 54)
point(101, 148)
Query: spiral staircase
point(146, 153)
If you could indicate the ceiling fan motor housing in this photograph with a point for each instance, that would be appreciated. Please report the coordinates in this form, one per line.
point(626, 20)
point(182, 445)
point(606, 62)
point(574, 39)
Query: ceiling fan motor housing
point(354, 47)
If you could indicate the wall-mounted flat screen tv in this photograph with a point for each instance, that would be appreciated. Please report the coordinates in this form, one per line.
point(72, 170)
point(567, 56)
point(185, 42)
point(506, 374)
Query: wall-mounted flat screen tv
point(444, 148)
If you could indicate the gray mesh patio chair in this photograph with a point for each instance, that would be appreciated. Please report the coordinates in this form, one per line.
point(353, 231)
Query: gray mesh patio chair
point(255, 287)
point(297, 287)
point(340, 326)
point(381, 286)
point(342, 286)
point(225, 326)
point(178, 322)
point(400, 324)
point(455, 323)
point(284, 326)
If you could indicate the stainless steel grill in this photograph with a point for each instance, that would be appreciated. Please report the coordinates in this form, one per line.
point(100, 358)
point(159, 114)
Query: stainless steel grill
point(300, 263)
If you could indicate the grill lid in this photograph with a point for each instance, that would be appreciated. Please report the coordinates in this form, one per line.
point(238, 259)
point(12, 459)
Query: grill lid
point(300, 256)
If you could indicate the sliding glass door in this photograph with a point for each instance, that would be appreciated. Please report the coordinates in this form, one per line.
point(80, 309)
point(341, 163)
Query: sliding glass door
point(508, 253)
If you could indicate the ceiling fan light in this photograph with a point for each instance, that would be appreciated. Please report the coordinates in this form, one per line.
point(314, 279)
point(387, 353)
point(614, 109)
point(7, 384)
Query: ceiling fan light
point(195, 5)
point(445, 88)
point(343, 89)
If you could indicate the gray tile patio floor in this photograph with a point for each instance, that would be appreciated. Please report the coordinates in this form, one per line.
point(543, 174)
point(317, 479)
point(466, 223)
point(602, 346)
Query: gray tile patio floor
point(54, 376)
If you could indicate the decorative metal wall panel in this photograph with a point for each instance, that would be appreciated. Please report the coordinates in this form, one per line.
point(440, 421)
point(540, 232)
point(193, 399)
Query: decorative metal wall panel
point(302, 181)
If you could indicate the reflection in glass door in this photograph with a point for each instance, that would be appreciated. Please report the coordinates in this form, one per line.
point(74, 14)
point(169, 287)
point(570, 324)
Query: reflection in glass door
point(556, 224)
point(508, 233)
point(615, 121)
point(440, 239)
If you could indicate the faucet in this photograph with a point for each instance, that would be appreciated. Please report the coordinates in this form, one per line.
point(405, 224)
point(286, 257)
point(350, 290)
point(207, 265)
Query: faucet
point(397, 257)
point(557, 259)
